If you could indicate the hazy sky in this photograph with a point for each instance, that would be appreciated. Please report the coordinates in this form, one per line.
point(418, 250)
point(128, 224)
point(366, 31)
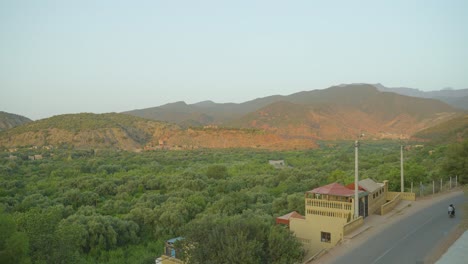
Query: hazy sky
point(99, 56)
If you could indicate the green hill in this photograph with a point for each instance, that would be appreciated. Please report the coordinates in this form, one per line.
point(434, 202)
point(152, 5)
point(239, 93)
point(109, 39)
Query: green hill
point(85, 130)
point(8, 120)
point(125, 132)
point(82, 122)
point(453, 130)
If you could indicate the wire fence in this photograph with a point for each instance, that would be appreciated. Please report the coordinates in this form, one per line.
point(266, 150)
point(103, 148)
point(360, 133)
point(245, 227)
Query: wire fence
point(437, 186)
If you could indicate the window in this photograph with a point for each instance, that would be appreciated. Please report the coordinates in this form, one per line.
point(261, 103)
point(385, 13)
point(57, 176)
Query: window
point(325, 237)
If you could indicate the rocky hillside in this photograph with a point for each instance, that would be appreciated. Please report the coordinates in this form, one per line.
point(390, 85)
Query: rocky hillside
point(120, 131)
point(208, 112)
point(202, 113)
point(8, 120)
point(338, 112)
point(344, 112)
point(230, 138)
point(85, 131)
point(453, 130)
point(296, 121)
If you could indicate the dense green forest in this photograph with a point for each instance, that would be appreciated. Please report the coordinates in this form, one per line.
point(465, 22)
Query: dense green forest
point(84, 206)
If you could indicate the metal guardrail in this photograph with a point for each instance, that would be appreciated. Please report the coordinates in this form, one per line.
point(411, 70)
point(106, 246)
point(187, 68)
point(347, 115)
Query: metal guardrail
point(436, 186)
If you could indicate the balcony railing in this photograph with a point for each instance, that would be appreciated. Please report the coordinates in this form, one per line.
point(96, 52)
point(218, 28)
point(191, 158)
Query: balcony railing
point(329, 204)
point(329, 208)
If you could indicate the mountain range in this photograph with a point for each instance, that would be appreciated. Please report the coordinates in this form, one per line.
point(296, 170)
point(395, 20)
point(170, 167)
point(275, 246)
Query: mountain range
point(295, 121)
point(338, 112)
point(456, 98)
point(121, 131)
point(453, 130)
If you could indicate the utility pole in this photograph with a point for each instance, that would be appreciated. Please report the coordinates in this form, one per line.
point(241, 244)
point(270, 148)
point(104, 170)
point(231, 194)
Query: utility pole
point(356, 196)
point(401, 165)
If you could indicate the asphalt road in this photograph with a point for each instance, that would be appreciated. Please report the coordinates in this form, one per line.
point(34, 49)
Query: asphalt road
point(411, 239)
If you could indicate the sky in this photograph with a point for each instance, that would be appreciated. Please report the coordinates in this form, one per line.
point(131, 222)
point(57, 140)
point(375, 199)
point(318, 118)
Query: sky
point(99, 56)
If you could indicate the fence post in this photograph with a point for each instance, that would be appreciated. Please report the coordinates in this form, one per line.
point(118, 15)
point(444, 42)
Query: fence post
point(456, 181)
point(420, 189)
point(433, 188)
point(440, 185)
point(411, 187)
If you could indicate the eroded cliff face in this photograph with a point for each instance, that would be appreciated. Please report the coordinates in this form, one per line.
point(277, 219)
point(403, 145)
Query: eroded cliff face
point(233, 138)
point(118, 131)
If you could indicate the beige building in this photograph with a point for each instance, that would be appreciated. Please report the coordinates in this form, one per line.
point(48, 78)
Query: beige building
point(329, 212)
point(376, 194)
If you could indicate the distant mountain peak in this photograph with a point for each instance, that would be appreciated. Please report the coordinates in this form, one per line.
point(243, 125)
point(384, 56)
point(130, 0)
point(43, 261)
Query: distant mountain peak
point(178, 103)
point(456, 98)
point(206, 103)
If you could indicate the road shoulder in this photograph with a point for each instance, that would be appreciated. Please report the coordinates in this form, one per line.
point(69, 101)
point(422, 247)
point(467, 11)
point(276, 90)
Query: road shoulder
point(451, 238)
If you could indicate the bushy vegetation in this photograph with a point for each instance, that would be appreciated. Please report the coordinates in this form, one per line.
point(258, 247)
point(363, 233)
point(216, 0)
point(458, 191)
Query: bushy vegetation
point(119, 207)
point(81, 122)
point(457, 161)
point(8, 120)
point(452, 130)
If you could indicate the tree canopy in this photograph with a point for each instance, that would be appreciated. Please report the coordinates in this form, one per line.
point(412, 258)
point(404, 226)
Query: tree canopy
point(79, 206)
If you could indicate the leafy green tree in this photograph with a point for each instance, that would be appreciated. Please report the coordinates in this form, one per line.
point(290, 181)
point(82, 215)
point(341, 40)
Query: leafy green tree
point(14, 245)
point(145, 218)
point(415, 173)
point(456, 163)
point(68, 243)
point(222, 239)
point(231, 204)
point(340, 176)
point(296, 203)
point(280, 204)
point(119, 203)
point(245, 238)
point(283, 247)
point(217, 172)
point(39, 225)
point(173, 215)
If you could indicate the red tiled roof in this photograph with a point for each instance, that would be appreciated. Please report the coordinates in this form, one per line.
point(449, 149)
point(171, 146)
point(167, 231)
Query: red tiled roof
point(333, 189)
point(285, 218)
point(351, 187)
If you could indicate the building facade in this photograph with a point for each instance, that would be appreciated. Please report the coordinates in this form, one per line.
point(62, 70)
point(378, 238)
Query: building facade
point(329, 212)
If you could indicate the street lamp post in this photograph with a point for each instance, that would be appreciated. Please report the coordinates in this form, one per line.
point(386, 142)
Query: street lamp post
point(356, 179)
point(401, 165)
